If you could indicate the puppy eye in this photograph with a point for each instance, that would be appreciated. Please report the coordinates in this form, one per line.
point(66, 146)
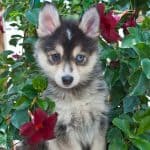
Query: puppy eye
point(55, 58)
point(80, 59)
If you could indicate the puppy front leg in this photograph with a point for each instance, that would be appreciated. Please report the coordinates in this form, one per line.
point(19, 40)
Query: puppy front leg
point(69, 144)
point(52, 145)
point(99, 143)
point(74, 144)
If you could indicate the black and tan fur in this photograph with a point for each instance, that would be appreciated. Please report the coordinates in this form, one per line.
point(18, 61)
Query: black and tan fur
point(81, 107)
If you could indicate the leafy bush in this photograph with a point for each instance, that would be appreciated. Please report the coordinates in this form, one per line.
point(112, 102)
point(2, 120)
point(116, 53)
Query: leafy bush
point(126, 70)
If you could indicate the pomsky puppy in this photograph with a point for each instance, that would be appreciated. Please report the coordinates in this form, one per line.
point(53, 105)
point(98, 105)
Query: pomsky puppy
point(67, 51)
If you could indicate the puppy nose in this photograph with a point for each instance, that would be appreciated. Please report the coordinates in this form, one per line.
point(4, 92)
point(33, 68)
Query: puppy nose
point(67, 80)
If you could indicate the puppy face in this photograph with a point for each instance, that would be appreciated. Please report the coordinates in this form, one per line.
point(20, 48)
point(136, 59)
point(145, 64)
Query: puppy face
point(67, 50)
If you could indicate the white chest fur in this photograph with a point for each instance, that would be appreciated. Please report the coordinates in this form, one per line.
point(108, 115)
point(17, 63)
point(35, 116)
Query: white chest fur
point(82, 114)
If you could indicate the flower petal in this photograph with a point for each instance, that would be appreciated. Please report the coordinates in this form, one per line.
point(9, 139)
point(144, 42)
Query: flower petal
point(101, 9)
point(45, 131)
point(49, 126)
point(39, 116)
point(108, 24)
point(36, 138)
point(111, 35)
point(27, 129)
point(108, 30)
point(131, 22)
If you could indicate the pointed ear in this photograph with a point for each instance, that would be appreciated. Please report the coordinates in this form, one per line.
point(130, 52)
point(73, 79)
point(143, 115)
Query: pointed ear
point(90, 23)
point(49, 20)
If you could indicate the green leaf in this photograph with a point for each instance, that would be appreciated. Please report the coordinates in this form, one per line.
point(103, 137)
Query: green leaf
point(3, 83)
point(108, 53)
point(117, 93)
point(30, 40)
point(16, 65)
point(146, 136)
point(42, 103)
point(113, 131)
point(32, 16)
point(111, 76)
point(123, 72)
point(24, 105)
point(132, 147)
point(126, 117)
point(130, 103)
point(35, 3)
point(7, 12)
point(134, 63)
point(144, 125)
point(138, 116)
point(133, 38)
point(134, 77)
point(146, 67)
point(1, 119)
point(6, 109)
point(128, 52)
point(117, 143)
point(140, 143)
point(76, 2)
point(3, 138)
point(13, 42)
point(39, 83)
point(146, 23)
point(143, 50)
point(19, 117)
point(123, 125)
point(20, 101)
point(29, 91)
point(146, 36)
point(141, 86)
point(115, 112)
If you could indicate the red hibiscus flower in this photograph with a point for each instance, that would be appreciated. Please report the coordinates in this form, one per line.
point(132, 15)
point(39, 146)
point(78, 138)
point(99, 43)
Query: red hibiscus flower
point(108, 24)
point(40, 128)
point(131, 22)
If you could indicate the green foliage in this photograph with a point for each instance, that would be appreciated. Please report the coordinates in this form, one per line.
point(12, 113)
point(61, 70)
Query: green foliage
point(145, 63)
point(21, 84)
point(146, 22)
point(39, 83)
point(130, 87)
point(19, 117)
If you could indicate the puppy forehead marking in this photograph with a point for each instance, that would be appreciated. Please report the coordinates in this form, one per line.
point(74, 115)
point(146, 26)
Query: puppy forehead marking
point(69, 34)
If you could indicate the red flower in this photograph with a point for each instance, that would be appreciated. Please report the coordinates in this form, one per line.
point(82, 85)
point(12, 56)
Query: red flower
point(108, 24)
point(40, 128)
point(129, 23)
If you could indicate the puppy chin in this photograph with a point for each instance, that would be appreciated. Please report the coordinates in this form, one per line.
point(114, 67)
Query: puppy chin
point(61, 85)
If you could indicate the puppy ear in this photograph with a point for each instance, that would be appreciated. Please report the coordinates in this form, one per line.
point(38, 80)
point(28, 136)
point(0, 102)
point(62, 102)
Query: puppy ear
point(90, 23)
point(49, 20)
